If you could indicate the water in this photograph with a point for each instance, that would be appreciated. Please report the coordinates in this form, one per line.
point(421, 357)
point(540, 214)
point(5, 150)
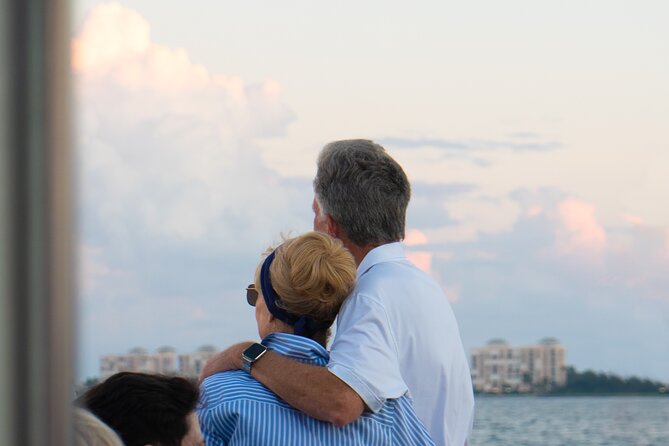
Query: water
point(567, 421)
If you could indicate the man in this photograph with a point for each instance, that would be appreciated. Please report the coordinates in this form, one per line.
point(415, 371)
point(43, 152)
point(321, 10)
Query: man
point(146, 409)
point(396, 332)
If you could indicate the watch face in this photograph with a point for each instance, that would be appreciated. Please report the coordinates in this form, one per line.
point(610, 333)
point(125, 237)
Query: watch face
point(254, 351)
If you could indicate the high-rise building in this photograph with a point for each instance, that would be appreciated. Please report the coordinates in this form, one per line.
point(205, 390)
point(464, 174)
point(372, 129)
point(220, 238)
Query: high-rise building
point(498, 367)
point(191, 364)
point(164, 361)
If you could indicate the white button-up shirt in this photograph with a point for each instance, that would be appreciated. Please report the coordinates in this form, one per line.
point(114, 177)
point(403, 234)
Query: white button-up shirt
point(397, 333)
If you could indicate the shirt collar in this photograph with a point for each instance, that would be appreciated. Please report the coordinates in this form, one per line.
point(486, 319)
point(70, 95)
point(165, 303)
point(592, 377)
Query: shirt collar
point(380, 254)
point(298, 348)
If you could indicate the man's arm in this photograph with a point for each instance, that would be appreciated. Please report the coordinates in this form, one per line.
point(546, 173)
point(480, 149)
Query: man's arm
point(310, 389)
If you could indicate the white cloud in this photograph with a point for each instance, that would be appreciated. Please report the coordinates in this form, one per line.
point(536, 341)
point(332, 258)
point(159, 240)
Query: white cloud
point(523, 285)
point(162, 140)
point(563, 234)
point(171, 180)
point(93, 273)
point(177, 204)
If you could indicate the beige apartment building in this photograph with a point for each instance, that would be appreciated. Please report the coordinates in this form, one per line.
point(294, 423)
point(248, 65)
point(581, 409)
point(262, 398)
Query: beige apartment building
point(164, 361)
point(191, 364)
point(499, 367)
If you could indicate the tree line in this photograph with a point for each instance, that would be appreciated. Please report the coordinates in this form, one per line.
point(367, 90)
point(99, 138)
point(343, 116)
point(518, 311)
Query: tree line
point(590, 382)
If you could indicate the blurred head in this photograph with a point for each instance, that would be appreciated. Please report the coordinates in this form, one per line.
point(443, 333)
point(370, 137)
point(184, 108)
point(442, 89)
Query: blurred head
point(88, 430)
point(310, 277)
point(147, 409)
point(364, 190)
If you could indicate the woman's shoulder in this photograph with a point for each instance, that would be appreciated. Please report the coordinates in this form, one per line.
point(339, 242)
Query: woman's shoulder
point(233, 385)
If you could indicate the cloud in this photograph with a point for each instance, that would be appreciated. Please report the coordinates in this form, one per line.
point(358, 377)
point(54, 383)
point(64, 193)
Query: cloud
point(466, 218)
point(519, 142)
point(579, 231)
point(522, 285)
point(547, 227)
point(422, 254)
point(427, 208)
point(422, 259)
point(415, 237)
point(534, 211)
point(176, 202)
point(441, 191)
point(93, 271)
point(633, 219)
point(163, 142)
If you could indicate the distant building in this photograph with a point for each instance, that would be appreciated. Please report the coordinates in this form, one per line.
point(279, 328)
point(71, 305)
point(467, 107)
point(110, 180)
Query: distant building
point(499, 367)
point(164, 361)
point(191, 364)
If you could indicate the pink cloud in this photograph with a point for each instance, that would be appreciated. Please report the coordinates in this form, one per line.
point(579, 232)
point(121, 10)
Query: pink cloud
point(633, 219)
point(452, 292)
point(534, 211)
point(115, 44)
point(579, 229)
point(415, 237)
point(422, 260)
point(198, 313)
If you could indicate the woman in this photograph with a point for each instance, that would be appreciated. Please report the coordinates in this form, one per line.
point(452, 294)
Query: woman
point(147, 409)
point(297, 293)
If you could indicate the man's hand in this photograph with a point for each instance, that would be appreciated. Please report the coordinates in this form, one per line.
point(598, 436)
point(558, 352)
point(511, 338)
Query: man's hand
point(228, 359)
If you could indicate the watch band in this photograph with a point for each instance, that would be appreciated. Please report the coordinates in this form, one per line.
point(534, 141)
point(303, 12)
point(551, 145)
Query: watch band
point(251, 355)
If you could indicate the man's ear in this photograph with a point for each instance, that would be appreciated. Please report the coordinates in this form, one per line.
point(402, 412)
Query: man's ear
point(331, 226)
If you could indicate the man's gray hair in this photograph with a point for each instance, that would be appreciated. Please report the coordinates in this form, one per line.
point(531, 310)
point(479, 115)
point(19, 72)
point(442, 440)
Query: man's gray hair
point(364, 190)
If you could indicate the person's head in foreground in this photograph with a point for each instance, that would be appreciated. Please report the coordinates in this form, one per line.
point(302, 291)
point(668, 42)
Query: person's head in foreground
point(88, 430)
point(361, 194)
point(300, 286)
point(146, 409)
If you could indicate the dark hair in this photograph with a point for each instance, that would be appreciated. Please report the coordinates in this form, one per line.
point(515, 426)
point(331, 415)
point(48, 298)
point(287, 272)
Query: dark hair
point(364, 190)
point(143, 408)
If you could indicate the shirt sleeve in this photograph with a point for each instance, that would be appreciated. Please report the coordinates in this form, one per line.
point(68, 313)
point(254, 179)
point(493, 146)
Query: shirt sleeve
point(364, 352)
point(216, 421)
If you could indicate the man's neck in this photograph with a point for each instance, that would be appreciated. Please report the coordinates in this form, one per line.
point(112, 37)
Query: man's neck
point(358, 252)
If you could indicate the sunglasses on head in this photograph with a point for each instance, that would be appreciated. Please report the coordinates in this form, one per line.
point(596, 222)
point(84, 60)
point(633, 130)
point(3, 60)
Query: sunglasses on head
point(251, 295)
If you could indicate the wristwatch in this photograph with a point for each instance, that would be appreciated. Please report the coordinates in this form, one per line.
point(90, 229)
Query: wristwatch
point(251, 355)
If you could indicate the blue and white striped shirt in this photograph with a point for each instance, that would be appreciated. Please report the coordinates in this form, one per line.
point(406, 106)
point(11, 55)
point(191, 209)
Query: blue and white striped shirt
point(238, 410)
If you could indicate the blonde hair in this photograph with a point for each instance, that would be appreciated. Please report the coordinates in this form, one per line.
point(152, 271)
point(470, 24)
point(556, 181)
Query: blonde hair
point(88, 430)
point(312, 275)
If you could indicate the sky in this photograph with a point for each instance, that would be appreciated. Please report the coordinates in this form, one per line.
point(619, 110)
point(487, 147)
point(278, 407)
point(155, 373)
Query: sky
point(534, 135)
